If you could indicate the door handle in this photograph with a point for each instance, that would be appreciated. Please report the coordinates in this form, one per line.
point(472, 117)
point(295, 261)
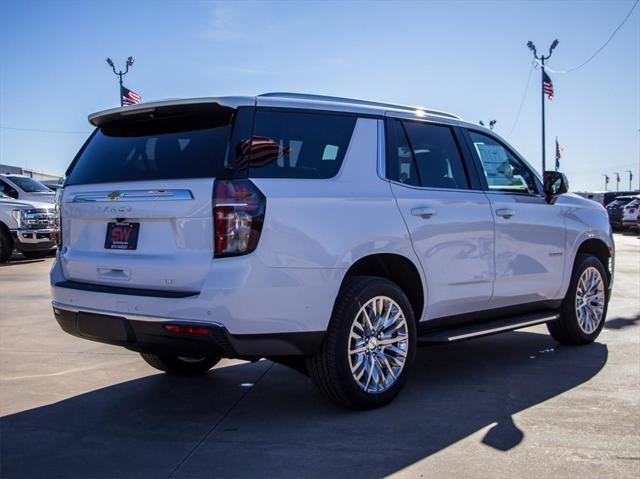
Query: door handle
point(424, 212)
point(505, 212)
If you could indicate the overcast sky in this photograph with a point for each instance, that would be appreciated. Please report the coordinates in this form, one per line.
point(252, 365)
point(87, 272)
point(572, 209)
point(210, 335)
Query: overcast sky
point(469, 58)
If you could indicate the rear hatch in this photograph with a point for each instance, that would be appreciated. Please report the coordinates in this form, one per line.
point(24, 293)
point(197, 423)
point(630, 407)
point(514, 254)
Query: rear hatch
point(136, 209)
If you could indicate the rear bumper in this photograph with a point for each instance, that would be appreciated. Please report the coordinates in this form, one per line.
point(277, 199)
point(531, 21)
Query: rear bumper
point(241, 294)
point(148, 335)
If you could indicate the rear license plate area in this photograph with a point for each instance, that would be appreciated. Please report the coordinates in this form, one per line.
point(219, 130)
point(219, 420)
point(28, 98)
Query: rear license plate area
point(122, 235)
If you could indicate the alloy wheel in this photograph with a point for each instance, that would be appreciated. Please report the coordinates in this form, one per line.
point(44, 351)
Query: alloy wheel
point(590, 300)
point(378, 344)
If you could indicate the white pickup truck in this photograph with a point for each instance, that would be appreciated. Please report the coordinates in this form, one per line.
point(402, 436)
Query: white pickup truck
point(26, 226)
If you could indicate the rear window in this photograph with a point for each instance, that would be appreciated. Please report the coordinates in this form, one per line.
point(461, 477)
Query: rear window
point(152, 148)
point(289, 144)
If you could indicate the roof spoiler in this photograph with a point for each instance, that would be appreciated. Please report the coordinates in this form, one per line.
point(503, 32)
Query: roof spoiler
point(196, 104)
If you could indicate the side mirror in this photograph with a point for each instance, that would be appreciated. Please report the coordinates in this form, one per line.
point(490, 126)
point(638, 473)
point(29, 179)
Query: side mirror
point(555, 183)
point(12, 193)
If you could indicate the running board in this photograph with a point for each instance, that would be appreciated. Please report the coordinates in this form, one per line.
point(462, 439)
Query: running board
point(485, 329)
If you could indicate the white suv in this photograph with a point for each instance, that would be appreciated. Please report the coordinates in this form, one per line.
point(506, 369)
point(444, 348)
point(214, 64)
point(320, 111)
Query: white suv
point(332, 235)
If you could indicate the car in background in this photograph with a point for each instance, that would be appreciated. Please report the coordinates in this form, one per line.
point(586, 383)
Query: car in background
point(630, 214)
point(615, 210)
point(25, 188)
point(52, 185)
point(30, 227)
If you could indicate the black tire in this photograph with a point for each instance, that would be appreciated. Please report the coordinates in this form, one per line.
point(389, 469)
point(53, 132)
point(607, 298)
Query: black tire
point(566, 328)
point(36, 254)
point(179, 365)
point(6, 245)
point(329, 368)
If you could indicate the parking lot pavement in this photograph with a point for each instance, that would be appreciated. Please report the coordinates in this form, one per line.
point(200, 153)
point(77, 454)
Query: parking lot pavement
point(513, 405)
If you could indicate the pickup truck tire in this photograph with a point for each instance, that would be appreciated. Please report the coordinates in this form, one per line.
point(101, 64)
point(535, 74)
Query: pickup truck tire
point(584, 308)
point(6, 245)
point(35, 254)
point(369, 346)
point(179, 365)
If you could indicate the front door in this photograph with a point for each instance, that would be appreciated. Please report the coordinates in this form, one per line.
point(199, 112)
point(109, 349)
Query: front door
point(450, 224)
point(530, 232)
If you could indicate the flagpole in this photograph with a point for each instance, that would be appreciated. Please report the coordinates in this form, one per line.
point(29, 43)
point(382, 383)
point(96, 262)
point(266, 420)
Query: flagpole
point(120, 75)
point(541, 59)
point(543, 125)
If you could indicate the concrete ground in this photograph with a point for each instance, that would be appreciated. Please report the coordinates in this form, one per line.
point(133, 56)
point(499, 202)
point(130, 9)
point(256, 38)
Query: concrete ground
point(513, 405)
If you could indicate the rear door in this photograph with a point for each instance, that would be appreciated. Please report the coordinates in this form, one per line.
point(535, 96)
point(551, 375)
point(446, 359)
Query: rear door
point(530, 232)
point(450, 222)
point(137, 201)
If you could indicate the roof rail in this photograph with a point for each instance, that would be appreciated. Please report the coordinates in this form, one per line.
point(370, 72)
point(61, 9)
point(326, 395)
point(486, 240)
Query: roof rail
point(337, 99)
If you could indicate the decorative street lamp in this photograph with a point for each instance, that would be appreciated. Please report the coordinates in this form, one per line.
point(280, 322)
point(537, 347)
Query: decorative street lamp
point(121, 73)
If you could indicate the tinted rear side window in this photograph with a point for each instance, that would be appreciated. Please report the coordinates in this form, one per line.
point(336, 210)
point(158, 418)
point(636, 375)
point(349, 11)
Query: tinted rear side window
point(426, 155)
point(289, 144)
point(155, 148)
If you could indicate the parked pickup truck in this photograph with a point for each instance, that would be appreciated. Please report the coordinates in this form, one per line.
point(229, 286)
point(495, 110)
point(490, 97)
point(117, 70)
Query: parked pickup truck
point(27, 226)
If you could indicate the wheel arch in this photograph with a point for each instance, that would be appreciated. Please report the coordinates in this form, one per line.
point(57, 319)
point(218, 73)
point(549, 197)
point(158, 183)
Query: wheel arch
point(600, 250)
point(396, 268)
point(5, 230)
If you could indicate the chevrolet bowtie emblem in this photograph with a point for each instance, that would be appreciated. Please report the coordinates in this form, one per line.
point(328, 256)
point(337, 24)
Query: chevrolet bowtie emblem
point(114, 195)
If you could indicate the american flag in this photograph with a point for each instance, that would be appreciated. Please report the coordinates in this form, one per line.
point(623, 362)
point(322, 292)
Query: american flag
point(558, 155)
point(547, 86)
point(260, 151)
point(130, 97)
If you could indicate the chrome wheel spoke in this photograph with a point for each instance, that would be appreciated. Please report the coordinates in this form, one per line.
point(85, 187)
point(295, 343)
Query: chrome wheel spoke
point(590, 300)
point(378, 344)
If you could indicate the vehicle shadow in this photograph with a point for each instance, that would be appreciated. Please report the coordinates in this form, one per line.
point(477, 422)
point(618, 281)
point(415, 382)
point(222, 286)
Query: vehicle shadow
point(218, 425)
point(620, 323)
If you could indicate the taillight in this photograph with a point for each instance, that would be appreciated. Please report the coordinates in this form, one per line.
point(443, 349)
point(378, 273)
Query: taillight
point(238, 214)
point(186, 329)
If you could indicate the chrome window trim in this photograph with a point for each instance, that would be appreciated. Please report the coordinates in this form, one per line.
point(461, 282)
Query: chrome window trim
point(430, 188)
point(130, 195)
point(529, 195)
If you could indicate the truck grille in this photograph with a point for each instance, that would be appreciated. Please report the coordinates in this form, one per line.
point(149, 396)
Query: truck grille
point(40, 218)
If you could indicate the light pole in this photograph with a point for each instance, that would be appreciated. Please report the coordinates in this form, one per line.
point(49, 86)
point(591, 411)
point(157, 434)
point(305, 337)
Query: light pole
point(120, 73)
point(617, 181)
point(606, 181)
point(542, 59)
point(630, 178)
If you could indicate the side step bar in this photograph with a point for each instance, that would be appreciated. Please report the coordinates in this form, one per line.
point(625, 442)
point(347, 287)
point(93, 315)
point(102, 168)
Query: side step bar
point(485, 329)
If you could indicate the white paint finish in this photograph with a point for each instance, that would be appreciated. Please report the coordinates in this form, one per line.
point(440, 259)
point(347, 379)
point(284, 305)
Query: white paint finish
point(454, 244)
point(171, 233)
point(585, 220)
point(240, 293)
point(530, 249)
point(333, 223)
point(314, 231)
